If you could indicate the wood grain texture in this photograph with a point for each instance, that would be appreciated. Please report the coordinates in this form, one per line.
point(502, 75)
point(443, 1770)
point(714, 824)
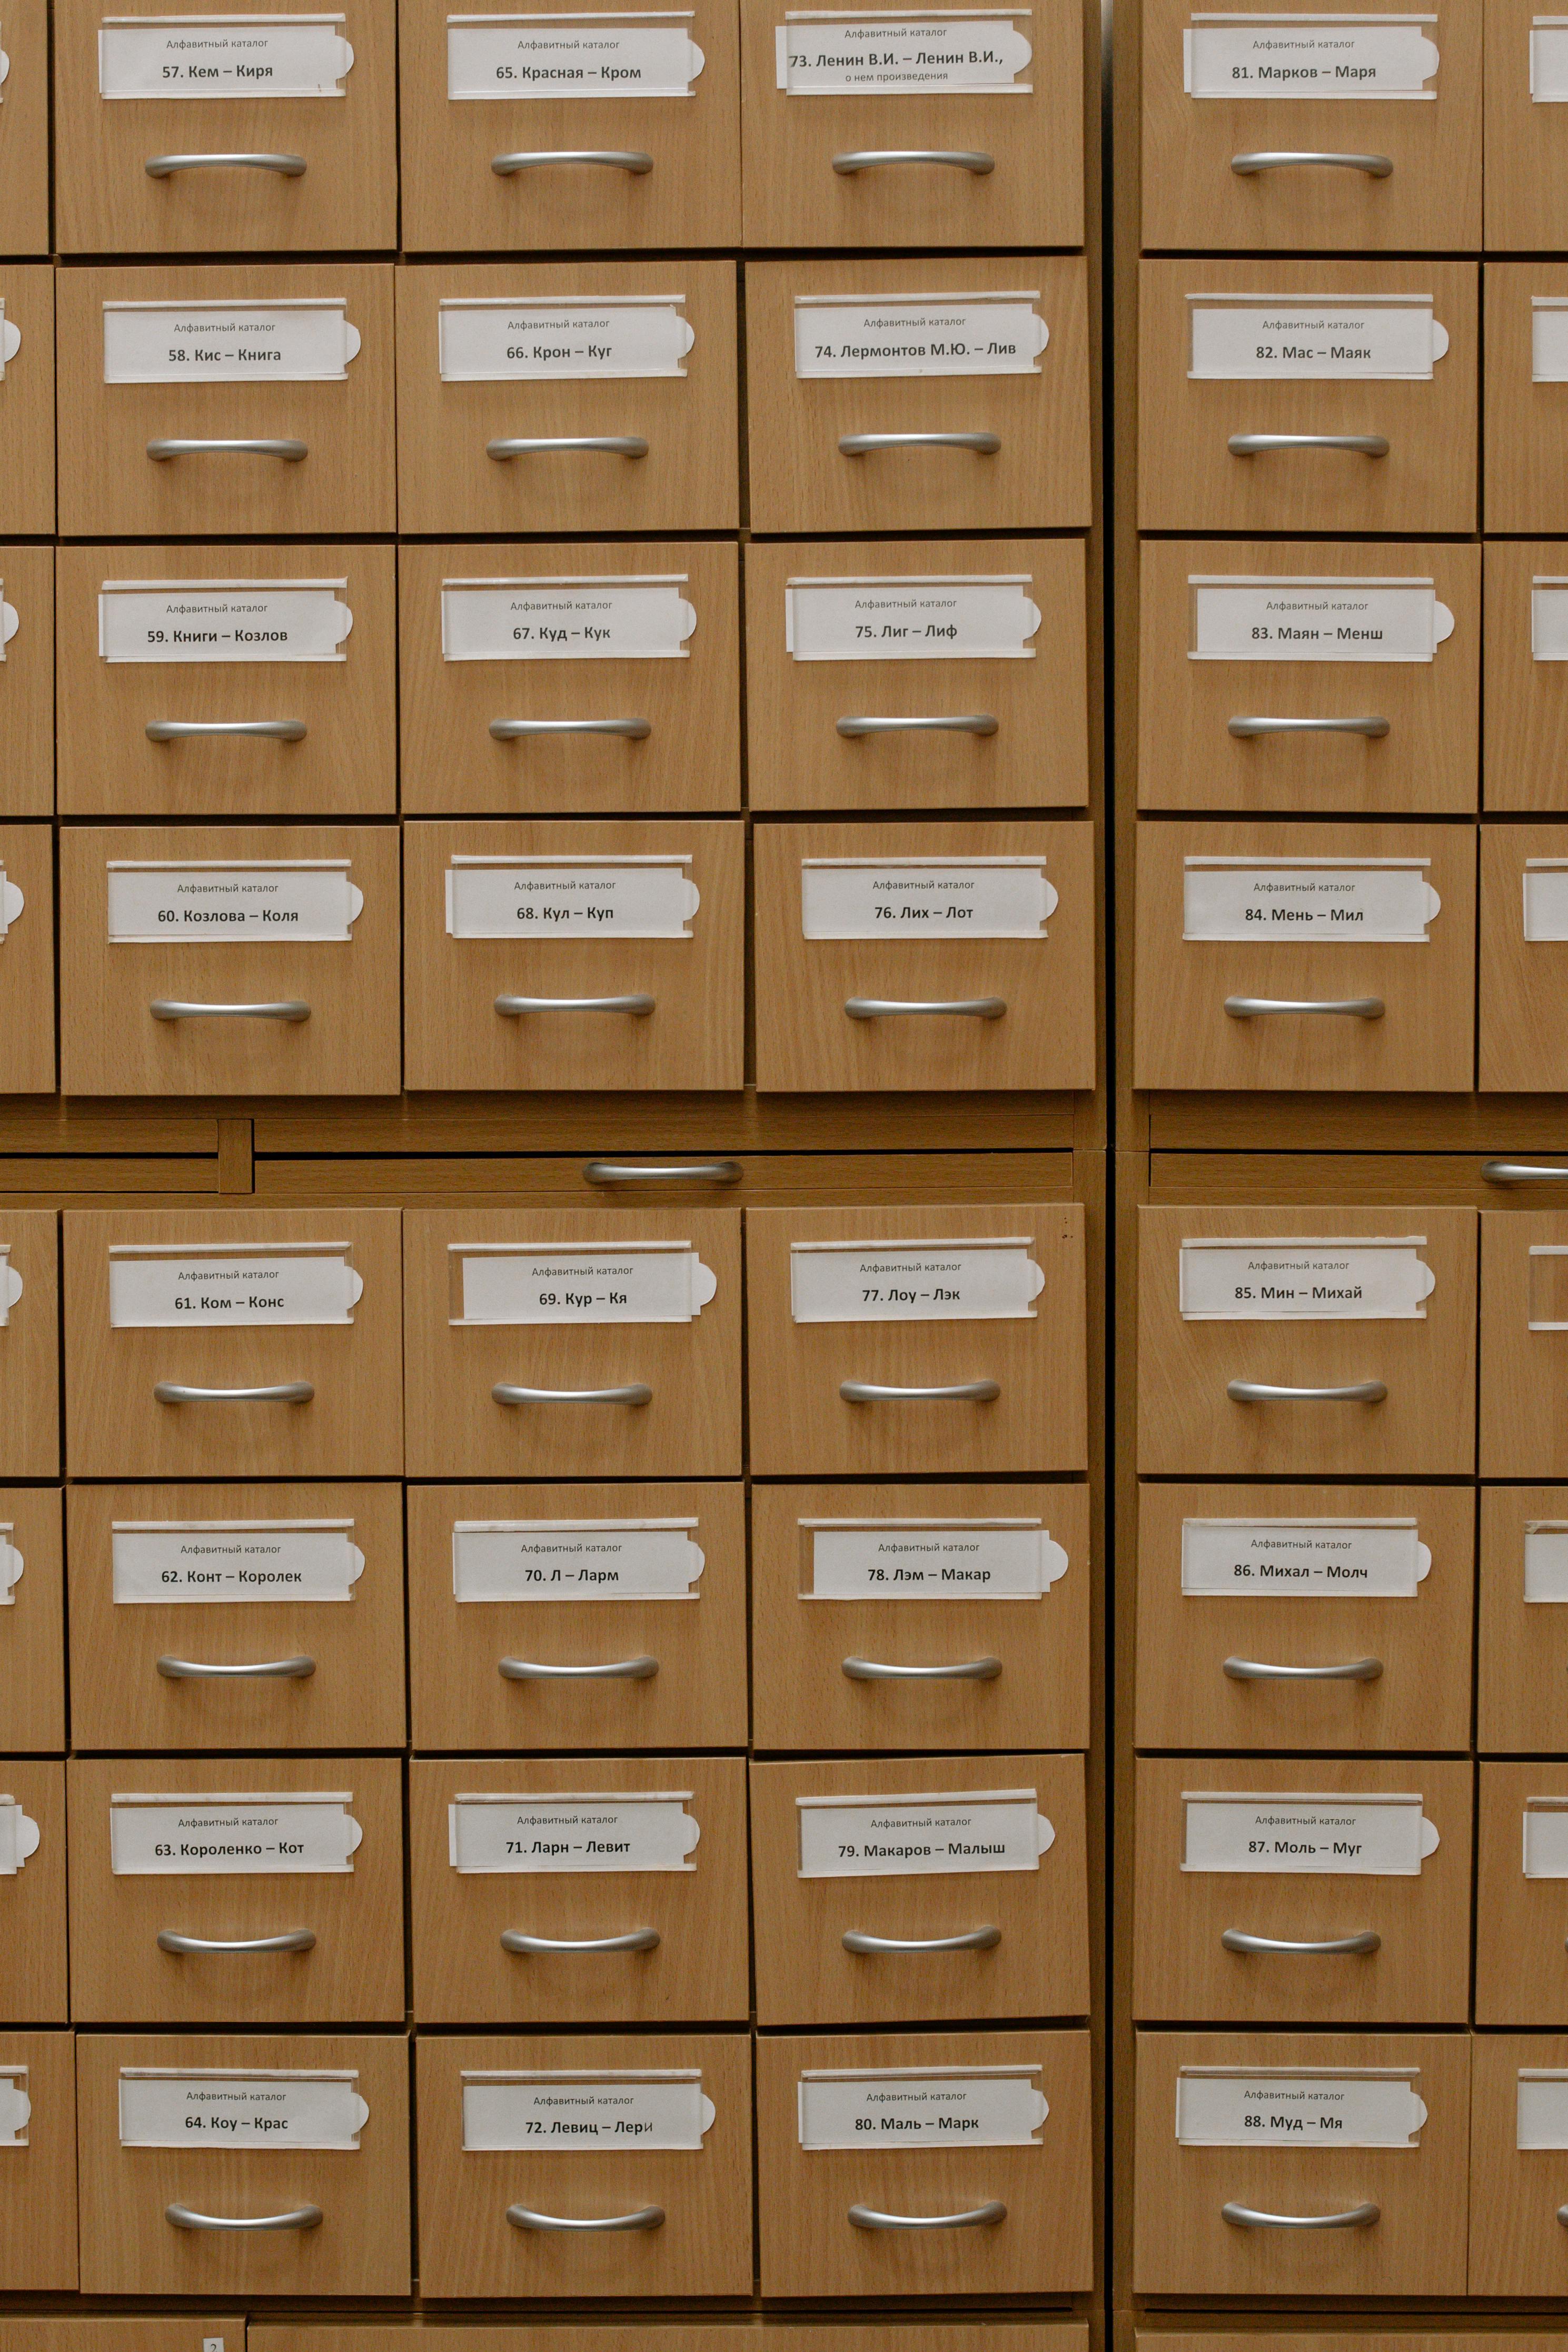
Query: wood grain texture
point(27, 385)
point(1523, 1048)
point(25, 134)
point(28, 673)
point(28, 962)
point(30, 1348)
point(38, 2216)
point(1527, 454)
point(32, 1630)
point(790, 1144)
point(135, 2331)
point(611, 2333)
point(1525, 766)
point(1526, 144)
point(1524, 1401)
point(1521, 1665)
point(33, 1898)
point(1518, 2246)
point(1521, 1968)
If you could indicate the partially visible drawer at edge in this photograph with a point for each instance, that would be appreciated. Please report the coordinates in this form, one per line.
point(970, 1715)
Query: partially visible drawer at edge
point(1519, 2176)
point(27, 398)
point(38, 2218)
point(1524, 959)
point(1521, 1838)
point(33, 1891)
point(27, 960)
point(1524, 1335)
point(26, 680)
point(1526, 378)
point(30, 1344)
point(1525, 742)
point(25, 133)
point(32, 1618)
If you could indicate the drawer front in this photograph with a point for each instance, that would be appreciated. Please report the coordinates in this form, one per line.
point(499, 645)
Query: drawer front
point(1040, 2243)
point(1524, 1408)
point(675, 1406)
point(360, 2244)
point(33, 1897)
point(1184, 2246)
point(170, 2333)
point(919, 1647)
point(262, 1640)
point(27, 388)
point(1521, 1968)
point(1523, 960)
point(464, 1656)
point(38, 2220)
point(520, 1012)
point(1189, 1422)
point(701, 2245)
point(454, 470)
point(1526, 698)
point(1223, 1012)
point(209, 757)
point(1527, 143)
point(117, 1041)
point(912, 186)
point(687, 192)
point(32, 1627)
point(1030, 1957)
point(344, 482)
point(342, 190)
point(1526, 470)
point(1011, 732)
point(696, 1966)
point(1518, 2246)
point(29, 1346)
point(1225, 1638)
point(801, 1421)
point(28, 675)
point(1522, 1680)
point(1190, 478)
point(1307, 737)
point(351, 1425)
point(589, 737)
point(817, 1031)
point(27, 960)
point(25, 140)
point(1425, 193)
point(1184, 1968)
point(802, 479)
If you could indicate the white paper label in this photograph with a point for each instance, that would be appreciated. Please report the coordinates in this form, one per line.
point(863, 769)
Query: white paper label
point(11, 1566)
point(10, 1280)
point(918, 334)
point(1545, 1826)
point(1548, 620)
point(222, 620)
point(902, 618)
point(12, 903)
point(227, 2107)
point(19, 1835)
point(1549, 339)
point(641, 1282)
point(922, 1837)
point(1306, 1836)
point(234, 1559)
point(924, 898)
point(575, 1559)
point(232, 1837)
point(504, 1835)
point(1379, 1281)
point(304, 341)
point(580, 619)
point(1545, 899)
point(166, 1290)
point(640, 54)
point(1240, 337)
point(222, 57)
point(932, 1560)
point(216, 901)
point(1308, 56)
point(1388, 900)
point(1549, 60)
point(1287, 620)
point(1546, 1560)
point(569, 2113)
point(1294, 2106)
point(571, 897)
point(1302, 1559)
point(901, 1282)
point(884, 55)
point(1542, 2111)
point(952, 2106)
point(620, 335)
point(16, 2106)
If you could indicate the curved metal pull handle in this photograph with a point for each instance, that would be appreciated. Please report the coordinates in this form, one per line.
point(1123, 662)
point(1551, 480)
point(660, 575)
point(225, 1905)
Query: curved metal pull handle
point(164, 167)
point(955, 1393)
point(618, 1670)
point(608, 444)
point(1264, 1393)
point(861, 445)
point(1243, 2217)
point(303, 2217)
point(976, 1939)
point(1255, 445)
point(280, 1392)
point(982, 2217)
point(512, 1008)
point(890, 1008)
point(1354, 1670)
point(638, 1940)
point(633, 1393)
point(871, 159)
point(176, 1008)
point(872, 1670)
point(291, 452)
point(614, 159)
point(523, 2216)
point(195, 1670)
point(680, 1171)
point(296, 1940)
point(511, 730)
point(976, 722)
point(1373, 727)
point(1512, 1172)
point(1368, 1940)
point(1260, 1008)
point(1285, 159)
point(183, 730)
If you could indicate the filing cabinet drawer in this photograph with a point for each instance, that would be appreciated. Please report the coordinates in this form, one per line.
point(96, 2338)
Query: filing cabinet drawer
point(1304, 1617)
point(27, 376)
point(1190, 1419)
point(218, 1938)
point(867, 1912)
point(349, 1424)
point(24, 135)
point(1213, 171)
point(1521, 1968)
point(1522, 1680)
point(147, 733)
point(914, 184)
point(317, 450)
point(1524, 1331)
point(1526, 196)
point(899, 1617)
point(507, 1388)
point(609, 167)
point(653, 998)
point(845, 1006)
point(32, 1618)
point(1224, 1932)
point(470, 2244)
point(149, 1011)
point(1230, 720)
point(1518, 2246)
point(1526, 698)
point(334, 180)
point(1524, 959)
point(27, 960)
point(515, 1924)
point(843, 728)
point(1193, 477)
point(37, 2217)
point(590, 737)
point(33, 1888)
point(1526, 396)
point(1010, 449)
point(1412, 2243)
point(102, 2335)
point(622, 2335)
point(994, 1391)
point(30, 1344)
point(28, 671)
point(359, 2245)
point(1039, 2243)
point(460, 465)
point(494, 1664)
point(1386, 1010)
point(223, 1616)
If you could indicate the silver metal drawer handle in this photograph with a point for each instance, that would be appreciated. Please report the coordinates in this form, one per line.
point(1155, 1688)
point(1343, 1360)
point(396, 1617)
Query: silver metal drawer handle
point(638, 1940)
point(512, 731)
point(523, 2216)
point(633, 1392)
point(182, 731)
point(1264, 1392)
point(956, 1392)
point(303, 2217)
point(1368, 1940)
point(861, 445)
point(1255, 445)
point(614, 159)
point(679, 1171)
point(1513, 1171)
point(282, 1393)
point(1284, 159)
point(291, 452)
point(512, 1008)
point(1260, 1008)
point(1243, 2217)
point(618, 1670)
point(176, 1008)
point(890, 1008)
point(1354, 1670)
point(978, 1940)
point(164, 167)
point(872, 1670)
point(976, 722)
point(1372, 726)
point(870, 159)
point(296, 1940)
point(608, 444)
point(196, 1670)
point(982, 2217)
